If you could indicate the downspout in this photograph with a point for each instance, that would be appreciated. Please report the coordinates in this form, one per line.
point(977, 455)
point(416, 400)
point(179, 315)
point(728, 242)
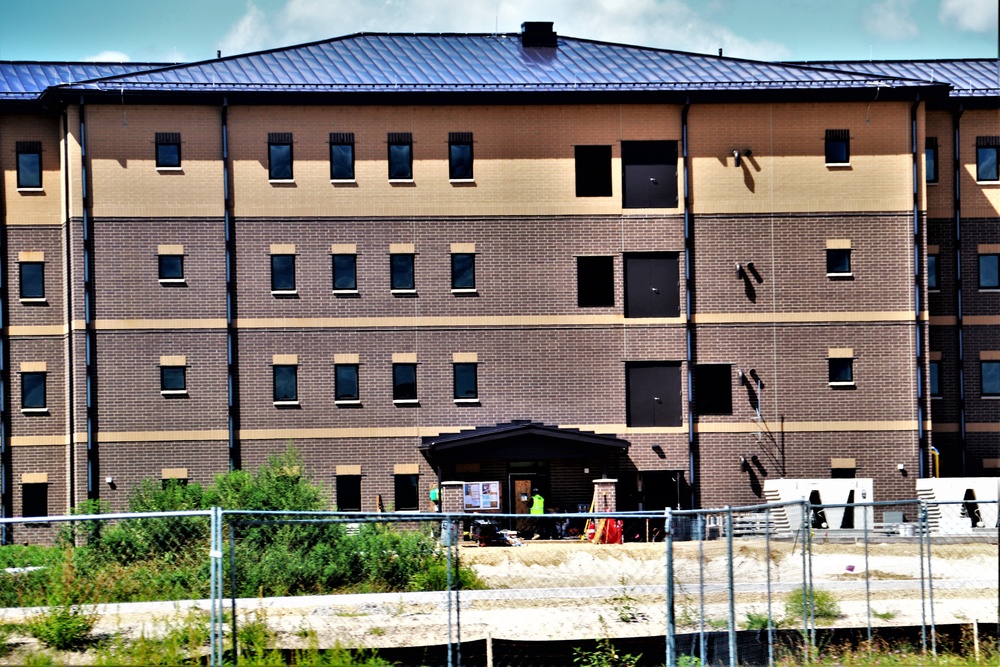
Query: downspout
point(918, 292)
point(232, 377)
point(88, 312)
point(67, 277)
point(6, 483)
point(959, 323)
point(688, 307)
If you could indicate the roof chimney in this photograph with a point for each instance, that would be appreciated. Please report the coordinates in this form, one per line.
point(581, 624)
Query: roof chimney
point(537, 33)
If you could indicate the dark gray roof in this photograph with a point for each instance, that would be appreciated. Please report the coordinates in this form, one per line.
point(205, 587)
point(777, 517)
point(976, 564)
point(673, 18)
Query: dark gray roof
point(968, 77)
point(520, 427)
point(27, 80)
point(458, 62)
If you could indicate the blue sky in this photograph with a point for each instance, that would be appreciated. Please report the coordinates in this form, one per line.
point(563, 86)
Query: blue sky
point(189, 30)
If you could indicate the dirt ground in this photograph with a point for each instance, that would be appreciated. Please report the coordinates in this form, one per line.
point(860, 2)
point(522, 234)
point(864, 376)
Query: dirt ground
point(578, 590)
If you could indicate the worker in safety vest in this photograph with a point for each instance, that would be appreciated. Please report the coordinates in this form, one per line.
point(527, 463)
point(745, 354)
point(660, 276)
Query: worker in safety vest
point(538, 508)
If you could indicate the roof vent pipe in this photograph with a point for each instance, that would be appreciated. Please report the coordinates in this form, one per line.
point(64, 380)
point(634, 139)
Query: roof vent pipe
point(538, 33)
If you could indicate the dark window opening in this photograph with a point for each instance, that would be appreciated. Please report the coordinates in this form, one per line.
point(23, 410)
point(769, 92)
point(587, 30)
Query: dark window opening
point(989, 271)
point(173, 378)
point(595, 281)
point(171, 267)
point(460, 156)
point(401, 269)
point(987, 149)
point(345, 272)
point(466, 381)
point(286, 384)
point(713, 389)
point(841, 371)
point(838, 147)
point(652, 285)
point(168, 149)
point(349, 493)
point(842, 473)
point(932, 272)
point(649, 174)
point(405, 493)
point(29, 164)
point(35, 499)
point(838, 261)
point(279, 156)
point(463, 271)
point(282, 273)
point(653, 393)
point(32, 275)
point(404, 382)
point(593, 171)
point(934, 370)
point(400, 156)
point(990, 381)
point(931, 159)
point(341, 156)
point(346, 385)
point(33, 390)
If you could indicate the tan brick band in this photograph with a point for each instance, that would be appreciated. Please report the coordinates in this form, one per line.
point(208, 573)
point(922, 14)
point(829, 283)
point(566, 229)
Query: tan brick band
point(935, 356)
point(348, 470)
point(402, 249)
point(31, 256)
point(843, 464)
point(344, 249)
point(838, 244)
point(174, 473)
point(35, 478)
point(463, 247)
point(989, 355)
point(840, 353)
point(175, 360)
point(933, 249)
point(465, 357)
point(404, 357)
point(34, 366)
point(346, 359)
point(406, 469)
point(988, 248)
point(285, 359)
point(282, 248)
point(169, 250)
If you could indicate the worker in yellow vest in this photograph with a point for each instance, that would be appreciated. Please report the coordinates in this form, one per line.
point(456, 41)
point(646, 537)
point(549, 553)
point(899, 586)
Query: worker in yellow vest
point(538, 508)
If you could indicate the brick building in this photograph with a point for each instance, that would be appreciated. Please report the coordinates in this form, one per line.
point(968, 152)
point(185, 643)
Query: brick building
point(522, 258)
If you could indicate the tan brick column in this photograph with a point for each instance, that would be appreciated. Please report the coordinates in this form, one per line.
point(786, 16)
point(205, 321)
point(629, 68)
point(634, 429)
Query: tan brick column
point(604, 495)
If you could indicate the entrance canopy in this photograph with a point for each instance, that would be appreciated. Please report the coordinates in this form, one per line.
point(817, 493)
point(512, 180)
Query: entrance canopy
point(520, 440)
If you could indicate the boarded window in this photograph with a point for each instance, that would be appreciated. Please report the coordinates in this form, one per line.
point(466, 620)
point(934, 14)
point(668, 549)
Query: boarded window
point(649, 174)
point(653, 393)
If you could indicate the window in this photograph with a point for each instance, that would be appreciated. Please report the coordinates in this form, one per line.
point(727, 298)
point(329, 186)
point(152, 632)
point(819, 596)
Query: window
point(173, 380)
point(652, 285)
point(401, 272)
point(33, 391)
point(466, 382)
point(349, 493)
point(35, 499)
point(932, 271)
point(32, 275)
point(286, 383)
point(406, 497)
point(649, 174)
point(990, 371)
point(838, 147)
point(404, 383)
point(341, 156)
point(934, 370)
point(345, 382)
point(345, 273)
point(171, 268)
point(653, 393)
point(989, 271)
point(931, 159)
point(463, 271)
point(168, 150)
point(841, 371)
point(595, 281)
point(283, 274)
point(401, 156)
point(593, 171)
point(986, 158)
point(838, 261)
point(713, 389)
point(460, 156)
point(279, 156)
point(29, 164)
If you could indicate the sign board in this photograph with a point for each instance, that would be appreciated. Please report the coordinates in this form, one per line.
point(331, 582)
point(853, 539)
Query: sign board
point(482, 495)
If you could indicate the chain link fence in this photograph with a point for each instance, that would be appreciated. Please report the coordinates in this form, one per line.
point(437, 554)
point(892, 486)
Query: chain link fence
point(749, 585)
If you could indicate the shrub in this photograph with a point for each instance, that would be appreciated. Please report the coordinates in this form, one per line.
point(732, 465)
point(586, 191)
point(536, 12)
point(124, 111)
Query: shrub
point(64, 627)
point(435, 578)
point(824, 604)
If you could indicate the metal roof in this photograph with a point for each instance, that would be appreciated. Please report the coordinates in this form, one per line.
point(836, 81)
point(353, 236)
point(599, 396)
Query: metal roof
point(968, 77)
point(27, 80)
point(484, 62)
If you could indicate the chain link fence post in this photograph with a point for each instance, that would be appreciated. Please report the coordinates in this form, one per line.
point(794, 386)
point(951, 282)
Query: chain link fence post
point(767, 558)
point(668, 542)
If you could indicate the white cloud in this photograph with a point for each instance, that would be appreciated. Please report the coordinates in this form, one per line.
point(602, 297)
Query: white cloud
point(108, 57)
point(670, 24)
point(969, 15)
point(890, 20)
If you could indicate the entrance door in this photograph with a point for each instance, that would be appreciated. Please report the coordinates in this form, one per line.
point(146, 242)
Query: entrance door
point(521, 501)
